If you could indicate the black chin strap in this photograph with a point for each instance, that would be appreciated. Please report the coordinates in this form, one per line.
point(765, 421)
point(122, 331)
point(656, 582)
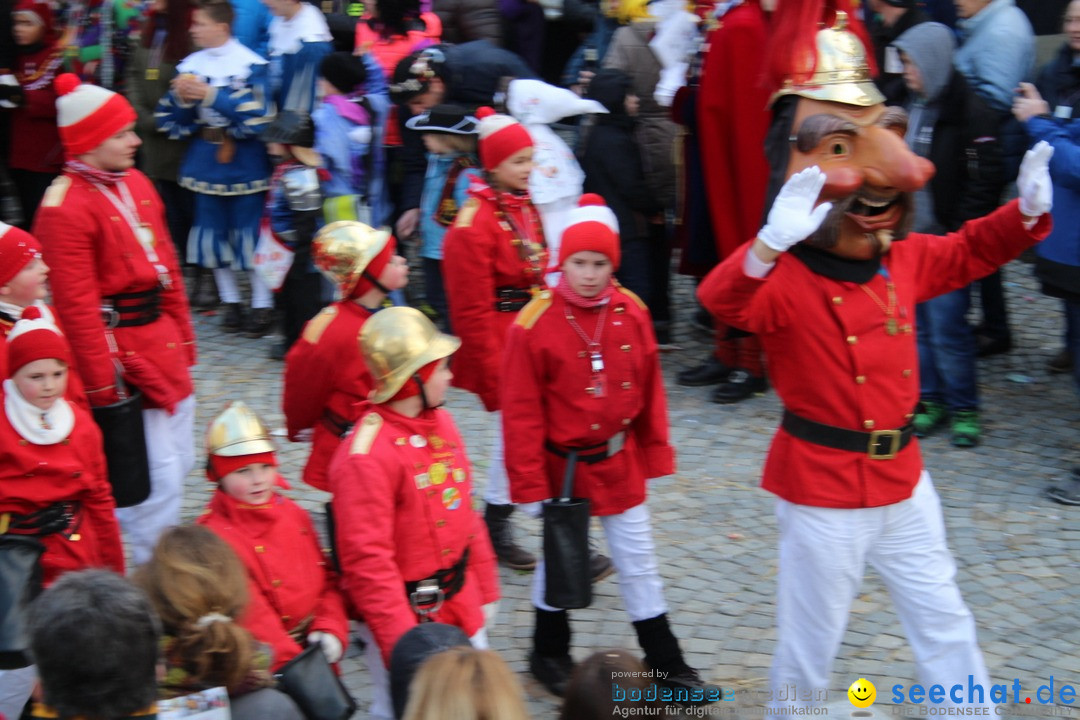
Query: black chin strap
point(371, 279)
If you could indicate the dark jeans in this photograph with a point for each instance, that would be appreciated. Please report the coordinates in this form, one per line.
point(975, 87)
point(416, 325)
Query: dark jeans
point(1072, 335)
point(947, 351)
point(645, 270)
point(995, 316)
point(30, 186)
point(435, 290)
point(299, 299)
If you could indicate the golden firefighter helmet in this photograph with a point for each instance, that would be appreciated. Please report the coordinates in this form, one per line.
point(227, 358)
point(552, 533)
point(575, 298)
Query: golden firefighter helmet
point(237, 431)
point(343, 249)
point(396, 343)
point(842, 73)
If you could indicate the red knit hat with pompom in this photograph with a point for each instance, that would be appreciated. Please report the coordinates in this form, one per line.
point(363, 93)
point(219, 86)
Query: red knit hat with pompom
point(88, 115)
point(35, 338)
point(17, 249)
point(591, 226)
point(500, 137)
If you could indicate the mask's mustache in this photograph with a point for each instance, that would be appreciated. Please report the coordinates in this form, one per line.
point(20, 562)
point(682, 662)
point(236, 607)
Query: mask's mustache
point(828, 235)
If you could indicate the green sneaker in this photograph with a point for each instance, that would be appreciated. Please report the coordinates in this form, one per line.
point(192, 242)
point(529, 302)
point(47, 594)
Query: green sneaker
point(965, 428)
point(928, 417)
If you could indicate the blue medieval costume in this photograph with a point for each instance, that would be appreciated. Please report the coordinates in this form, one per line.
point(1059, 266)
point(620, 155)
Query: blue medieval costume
point(226, 164)
point(297, 45)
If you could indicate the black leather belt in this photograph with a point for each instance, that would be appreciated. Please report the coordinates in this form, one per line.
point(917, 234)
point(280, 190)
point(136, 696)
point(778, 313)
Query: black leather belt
point(132, 309)
point(427, 596)
point(512, 299)
point(61, 517)
point(336, 424)
point(590, 454)
point(876, 444)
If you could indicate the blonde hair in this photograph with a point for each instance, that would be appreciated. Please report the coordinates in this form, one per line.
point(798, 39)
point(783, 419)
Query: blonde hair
point(464, 683)
point(198, 586)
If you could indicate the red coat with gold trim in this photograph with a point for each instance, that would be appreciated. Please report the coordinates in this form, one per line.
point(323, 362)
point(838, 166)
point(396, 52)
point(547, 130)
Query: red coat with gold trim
point(832, 361)
point(548, 395)
point(479, 257)
point(324, 371)
point(92, 253)
point(293, 591)
point(403, 511)
point(33, 477)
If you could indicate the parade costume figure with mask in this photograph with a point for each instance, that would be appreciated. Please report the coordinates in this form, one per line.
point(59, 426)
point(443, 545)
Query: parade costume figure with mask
point(581, 378)
point(294, 596)
point(410, 546)
point(325, 376)
point(220, 100)
point(494, 260)
point(119, 294)
point(299, 39)
point(832, 287)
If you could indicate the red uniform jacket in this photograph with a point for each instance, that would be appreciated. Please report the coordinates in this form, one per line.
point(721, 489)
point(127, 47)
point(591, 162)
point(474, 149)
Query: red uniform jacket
point(325, 373)
point(35, 140)
point(479, 257)
point(832, 361)
point(32, 477)
point(733, 117)
point(93, 253)
point(74, 391)
point(403, 510)
point(293, 591)
point(548, 396)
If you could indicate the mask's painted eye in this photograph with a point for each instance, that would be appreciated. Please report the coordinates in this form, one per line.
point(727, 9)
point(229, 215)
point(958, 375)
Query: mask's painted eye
point(838, 148)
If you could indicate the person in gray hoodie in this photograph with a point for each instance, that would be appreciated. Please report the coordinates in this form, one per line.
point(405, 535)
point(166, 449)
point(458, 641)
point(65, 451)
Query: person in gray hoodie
point(952, 126)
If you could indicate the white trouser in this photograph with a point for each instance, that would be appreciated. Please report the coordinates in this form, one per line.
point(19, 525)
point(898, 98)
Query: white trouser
point(261, 295)
point(497, 490)
point(170, 446)
point(630, 542)
point(823, 552)
point(382, 706)
point(16, 687)
point(555, 216)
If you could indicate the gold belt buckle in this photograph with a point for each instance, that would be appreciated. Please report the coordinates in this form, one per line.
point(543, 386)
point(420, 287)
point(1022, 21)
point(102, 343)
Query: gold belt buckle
point(5, 522)
point(876, 438)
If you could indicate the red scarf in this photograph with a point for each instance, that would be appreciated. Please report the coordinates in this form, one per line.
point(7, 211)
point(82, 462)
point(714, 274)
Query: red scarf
point(93, 174)
point(572, 297)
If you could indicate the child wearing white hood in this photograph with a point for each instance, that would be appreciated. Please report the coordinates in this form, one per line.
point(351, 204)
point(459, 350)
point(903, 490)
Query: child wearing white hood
point(557, 179)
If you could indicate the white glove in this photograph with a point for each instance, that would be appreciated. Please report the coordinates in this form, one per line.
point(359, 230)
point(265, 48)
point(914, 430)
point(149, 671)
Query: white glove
point(491, 609)
point(330, 645)
point(793, 217)
point(1033, 182)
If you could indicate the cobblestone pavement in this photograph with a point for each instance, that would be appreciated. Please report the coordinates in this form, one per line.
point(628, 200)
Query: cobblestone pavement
point(1018, 554)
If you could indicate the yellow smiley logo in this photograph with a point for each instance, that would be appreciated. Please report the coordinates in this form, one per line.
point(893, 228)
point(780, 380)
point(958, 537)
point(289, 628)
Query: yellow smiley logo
point(862, 693)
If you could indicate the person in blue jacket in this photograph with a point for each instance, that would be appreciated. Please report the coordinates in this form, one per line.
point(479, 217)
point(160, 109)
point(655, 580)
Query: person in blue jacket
point(1051, 112)
point(219, 99)
point(299, 39)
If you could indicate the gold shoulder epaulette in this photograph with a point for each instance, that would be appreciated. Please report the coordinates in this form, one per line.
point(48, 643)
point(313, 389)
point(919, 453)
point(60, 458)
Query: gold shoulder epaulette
point(532, 312)
point(365, 436)
point(633, 296)
point(57, 191)
point(467, 212)
point(317, 325)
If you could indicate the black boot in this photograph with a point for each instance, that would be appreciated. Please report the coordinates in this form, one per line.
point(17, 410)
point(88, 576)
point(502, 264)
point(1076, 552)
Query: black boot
point(739, 385)
point(550, 660)
point(260, 322)
point(710, 372)
point(232, 320)
point(509, 553)
point(202, 293)
point(663, 655)
point(600, 566)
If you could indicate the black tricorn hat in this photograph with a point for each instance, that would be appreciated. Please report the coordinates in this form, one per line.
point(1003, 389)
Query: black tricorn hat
point(450, 119)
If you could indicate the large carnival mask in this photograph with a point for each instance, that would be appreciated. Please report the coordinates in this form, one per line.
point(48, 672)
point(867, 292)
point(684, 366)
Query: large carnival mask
point(842, 125)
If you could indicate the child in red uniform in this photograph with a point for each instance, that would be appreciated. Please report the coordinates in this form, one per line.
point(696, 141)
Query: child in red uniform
point(294, 596)
point(53, 483)
point(581, 373)
point(410, 545)
point(494, 258)
point(325, 376)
